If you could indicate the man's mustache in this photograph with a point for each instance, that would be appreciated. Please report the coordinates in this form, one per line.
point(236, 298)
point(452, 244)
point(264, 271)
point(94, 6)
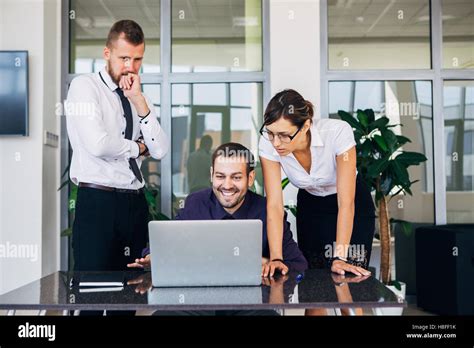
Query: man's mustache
point(234, 190)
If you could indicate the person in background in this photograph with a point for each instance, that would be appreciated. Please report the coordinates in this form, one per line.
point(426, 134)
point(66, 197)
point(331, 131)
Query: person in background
point(198, 166)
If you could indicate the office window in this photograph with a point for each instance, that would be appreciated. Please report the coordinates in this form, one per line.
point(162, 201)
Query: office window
point(209, 35)
point(224, 38)
point(459, 145)
point(350, 96)
point(205, 116)
point(378, 34)
point(151, 168)
point(90, 22)
point(403, 102)
point(458, 34)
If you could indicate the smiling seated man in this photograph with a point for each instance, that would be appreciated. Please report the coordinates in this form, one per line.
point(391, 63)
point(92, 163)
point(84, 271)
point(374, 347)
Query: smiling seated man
point(232, 174)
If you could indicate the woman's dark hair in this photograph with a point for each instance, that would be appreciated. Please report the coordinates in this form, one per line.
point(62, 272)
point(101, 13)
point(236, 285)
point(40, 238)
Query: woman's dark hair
point(290, 105)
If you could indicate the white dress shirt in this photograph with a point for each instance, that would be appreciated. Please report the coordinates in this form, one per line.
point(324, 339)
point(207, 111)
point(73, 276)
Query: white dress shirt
point(329, 138)
point(96, 129)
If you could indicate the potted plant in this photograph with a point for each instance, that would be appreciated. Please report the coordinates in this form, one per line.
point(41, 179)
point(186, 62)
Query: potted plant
point(384, 166)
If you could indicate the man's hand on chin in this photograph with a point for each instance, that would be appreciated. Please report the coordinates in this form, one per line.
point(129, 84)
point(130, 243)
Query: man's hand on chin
point(131, 86)
point(132, 89)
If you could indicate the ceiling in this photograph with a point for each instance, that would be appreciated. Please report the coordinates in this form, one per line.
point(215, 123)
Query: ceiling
point(202, 19)
point(396, 18)
point(224, 18)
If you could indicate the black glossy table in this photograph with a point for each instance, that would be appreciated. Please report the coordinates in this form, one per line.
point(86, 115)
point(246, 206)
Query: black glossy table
point(313, 289)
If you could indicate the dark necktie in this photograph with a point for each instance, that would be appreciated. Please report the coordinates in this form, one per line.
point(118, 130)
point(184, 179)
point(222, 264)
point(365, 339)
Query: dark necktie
point(128, 131)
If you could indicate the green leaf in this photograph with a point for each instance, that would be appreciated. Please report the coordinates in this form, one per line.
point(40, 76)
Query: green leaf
point(390, 139)
point(402, 140)
point(407, 228)
point(396, 193)
point(370, 114)
point(396, 284)
point(73, 193)
point(404, 188)
point(66, 170)
point(161, 217)
point(284, 183)
point(365, 148)
point(63, 184)
point(400, 173)
point(407, 190)
point(67, 232)
point(386, 185)
point(345, 116)
point(292, 209)
point(72, 198)
point(410, 158)
point(357, 136)
point(381, 142)
point(377, 167)
point(379, 124)
point(363, 118)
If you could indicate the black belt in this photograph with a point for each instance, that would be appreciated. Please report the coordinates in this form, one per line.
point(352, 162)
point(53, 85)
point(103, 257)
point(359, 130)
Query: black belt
point(111, 189)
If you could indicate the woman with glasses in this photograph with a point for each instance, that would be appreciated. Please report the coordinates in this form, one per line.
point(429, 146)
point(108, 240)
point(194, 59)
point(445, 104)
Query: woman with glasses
point(335, 211)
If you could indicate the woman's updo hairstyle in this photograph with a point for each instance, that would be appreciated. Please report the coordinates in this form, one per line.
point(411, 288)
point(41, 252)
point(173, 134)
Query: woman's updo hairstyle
point(290, 105)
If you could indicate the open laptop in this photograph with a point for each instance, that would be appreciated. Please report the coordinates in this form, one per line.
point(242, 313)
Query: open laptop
point(206, 253)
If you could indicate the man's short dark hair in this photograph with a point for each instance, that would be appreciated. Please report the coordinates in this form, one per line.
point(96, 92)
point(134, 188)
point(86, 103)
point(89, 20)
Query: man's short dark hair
point(206, 142)
point(235, 150)
point(133, 33)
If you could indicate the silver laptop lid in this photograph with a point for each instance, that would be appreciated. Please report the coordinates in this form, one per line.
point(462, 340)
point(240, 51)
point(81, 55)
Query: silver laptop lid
point(206, 252)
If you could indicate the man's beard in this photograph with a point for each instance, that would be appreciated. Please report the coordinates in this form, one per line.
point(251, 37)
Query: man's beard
point(230, 204)
point(115, 78)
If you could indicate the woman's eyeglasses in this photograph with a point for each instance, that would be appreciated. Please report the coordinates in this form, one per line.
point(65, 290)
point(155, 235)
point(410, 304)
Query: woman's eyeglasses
point(284, 138)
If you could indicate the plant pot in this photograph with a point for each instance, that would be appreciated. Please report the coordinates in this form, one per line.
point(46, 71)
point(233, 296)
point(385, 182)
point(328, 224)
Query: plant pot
point(395, 311)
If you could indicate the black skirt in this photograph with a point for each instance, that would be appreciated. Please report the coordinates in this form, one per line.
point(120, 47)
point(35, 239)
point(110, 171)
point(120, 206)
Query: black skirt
point(316, 221)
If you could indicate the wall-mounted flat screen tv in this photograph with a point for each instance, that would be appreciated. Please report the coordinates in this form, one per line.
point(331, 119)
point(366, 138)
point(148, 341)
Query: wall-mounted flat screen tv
point(14, 93)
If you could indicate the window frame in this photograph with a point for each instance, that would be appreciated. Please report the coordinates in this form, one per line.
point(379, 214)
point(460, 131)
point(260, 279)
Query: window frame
point(165, 79)
point(437, 75)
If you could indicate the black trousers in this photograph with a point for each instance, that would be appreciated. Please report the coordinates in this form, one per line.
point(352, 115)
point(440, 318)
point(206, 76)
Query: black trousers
point(316, 222)
point(110, 229)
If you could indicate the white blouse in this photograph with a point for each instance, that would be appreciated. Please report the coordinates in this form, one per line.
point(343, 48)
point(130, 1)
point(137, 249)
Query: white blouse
point(329, 138)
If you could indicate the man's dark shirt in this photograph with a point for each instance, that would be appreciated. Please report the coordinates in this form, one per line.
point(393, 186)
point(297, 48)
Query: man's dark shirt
point(203, 205)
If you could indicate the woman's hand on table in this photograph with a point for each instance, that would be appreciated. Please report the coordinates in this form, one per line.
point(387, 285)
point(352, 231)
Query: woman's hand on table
point(341, 267)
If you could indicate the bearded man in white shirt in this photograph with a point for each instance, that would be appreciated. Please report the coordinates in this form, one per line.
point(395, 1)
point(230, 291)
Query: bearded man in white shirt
point(112, 125)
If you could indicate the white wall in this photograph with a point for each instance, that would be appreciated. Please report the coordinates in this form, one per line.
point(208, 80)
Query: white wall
point(29, 170)
point(51, 122)
point(295, 59)
point(295, 49)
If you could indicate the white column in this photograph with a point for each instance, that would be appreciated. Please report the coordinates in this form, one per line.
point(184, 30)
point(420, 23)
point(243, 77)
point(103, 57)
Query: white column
point(29, 174)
